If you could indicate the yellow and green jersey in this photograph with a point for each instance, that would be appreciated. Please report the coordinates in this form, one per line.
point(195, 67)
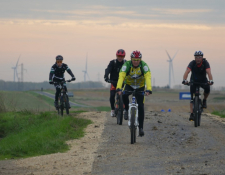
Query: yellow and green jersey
point(135, 77)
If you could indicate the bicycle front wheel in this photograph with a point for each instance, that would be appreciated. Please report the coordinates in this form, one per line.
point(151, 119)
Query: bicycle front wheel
point(66, 100)
point(120, 111)
point(196, 111)
point(200, 111)
point(132, 127)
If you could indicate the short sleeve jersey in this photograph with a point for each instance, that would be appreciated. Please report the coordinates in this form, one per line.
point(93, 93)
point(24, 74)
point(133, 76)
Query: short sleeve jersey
point(198, 72)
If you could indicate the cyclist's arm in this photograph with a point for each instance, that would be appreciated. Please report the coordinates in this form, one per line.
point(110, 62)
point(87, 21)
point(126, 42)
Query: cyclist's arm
point(186, 73)
point(108, 70)
point(52, 71)
point(208, 71)
point(69, 71)
point(122, 76)
point(148, 80)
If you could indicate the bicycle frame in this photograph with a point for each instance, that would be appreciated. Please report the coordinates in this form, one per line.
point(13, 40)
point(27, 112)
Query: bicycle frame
point(63, 98)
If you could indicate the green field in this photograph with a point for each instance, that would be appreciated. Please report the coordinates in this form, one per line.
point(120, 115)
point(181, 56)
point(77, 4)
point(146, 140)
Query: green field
point(25, 133)
point(219, 113)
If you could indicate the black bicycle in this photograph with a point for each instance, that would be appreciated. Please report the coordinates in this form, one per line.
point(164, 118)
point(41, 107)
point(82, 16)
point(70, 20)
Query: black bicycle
point(118, 106)
point(63, 97)
point(197, 102)
point(133, 114)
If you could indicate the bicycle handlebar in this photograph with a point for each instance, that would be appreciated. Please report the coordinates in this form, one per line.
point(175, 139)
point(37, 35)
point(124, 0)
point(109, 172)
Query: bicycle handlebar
point(61, 82)
point(134, 92)
point(111, 81)
point(192, 83)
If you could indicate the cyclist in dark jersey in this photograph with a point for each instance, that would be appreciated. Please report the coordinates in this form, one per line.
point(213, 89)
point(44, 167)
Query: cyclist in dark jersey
point(113, 69)
point(57, 75)
point(198, 68)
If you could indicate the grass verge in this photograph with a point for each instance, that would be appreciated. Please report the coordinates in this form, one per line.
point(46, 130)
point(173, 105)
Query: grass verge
point(25, 134)
point(219, 113)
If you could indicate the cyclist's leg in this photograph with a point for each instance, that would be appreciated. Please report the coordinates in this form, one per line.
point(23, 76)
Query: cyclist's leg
point(56, 95)
point(140, 101)
point(125, 96)
point(112, 99)
point(206, 94)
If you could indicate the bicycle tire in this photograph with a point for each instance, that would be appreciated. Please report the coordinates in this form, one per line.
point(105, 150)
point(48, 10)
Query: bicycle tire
point(132, 126)
point(120, 111)
point(61, 105)
point(200, 112)
point(66, 104)
point(196, 111)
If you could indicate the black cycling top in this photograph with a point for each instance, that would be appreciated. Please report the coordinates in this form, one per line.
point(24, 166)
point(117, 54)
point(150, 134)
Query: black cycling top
point(198, 72)
point(58, 72)
point(113, 69)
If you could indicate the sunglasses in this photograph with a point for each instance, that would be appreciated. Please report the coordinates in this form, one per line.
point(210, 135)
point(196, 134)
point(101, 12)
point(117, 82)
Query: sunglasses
point(135, 59)
point(59, 61)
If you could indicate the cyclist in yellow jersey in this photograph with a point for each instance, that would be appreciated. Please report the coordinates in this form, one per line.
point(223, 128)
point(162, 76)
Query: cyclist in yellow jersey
point(136, 74)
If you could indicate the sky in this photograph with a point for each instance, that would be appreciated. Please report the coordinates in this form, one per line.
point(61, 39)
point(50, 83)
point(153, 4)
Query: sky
point(38, 31)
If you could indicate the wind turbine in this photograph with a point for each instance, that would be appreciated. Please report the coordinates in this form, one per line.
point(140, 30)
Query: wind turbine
point(170, 67)
point(85, 71)
point(15, 70)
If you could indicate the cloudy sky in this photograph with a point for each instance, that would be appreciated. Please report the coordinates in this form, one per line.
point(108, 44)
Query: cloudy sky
point(40, 30)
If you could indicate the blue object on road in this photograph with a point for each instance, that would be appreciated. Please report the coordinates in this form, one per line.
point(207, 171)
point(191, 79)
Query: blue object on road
point(169, 110)
point(185, 96)
point(162, 110)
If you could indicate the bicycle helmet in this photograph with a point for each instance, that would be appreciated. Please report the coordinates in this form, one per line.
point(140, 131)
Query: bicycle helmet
point(198, 53)
point(121, 52)
point(136, 54)
point(59, 57)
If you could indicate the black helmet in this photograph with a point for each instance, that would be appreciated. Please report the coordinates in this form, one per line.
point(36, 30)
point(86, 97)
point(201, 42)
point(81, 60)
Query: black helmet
point(198, 53)
point(59, 57)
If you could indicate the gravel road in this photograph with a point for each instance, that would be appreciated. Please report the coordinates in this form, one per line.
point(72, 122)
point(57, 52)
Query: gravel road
point(171, 145)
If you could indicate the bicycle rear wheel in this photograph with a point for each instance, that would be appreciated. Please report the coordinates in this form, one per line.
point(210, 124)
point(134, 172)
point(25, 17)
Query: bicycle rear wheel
point(120, 111)
point(196, 111)
point(132, 127)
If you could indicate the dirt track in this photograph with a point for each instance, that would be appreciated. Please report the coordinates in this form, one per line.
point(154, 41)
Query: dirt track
point(171, 145)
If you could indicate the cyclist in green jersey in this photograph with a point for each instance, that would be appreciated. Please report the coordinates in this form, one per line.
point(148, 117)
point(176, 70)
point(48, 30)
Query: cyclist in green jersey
point(136, 74)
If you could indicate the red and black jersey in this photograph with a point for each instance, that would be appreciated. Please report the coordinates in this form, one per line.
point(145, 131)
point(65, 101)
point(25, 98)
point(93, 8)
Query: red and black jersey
point(113, 69)
point(198, 72)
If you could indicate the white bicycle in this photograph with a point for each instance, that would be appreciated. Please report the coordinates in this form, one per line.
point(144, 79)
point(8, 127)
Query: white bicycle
point(133, 114)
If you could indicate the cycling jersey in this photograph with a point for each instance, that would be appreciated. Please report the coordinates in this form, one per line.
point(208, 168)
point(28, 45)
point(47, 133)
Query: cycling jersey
point(58, 72)
point(198, 72)
point(135, 77)
point(113, 69)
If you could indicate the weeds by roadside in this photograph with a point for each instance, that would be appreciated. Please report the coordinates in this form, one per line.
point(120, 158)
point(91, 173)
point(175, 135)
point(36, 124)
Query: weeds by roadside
point(219, 113)
point(26, 134)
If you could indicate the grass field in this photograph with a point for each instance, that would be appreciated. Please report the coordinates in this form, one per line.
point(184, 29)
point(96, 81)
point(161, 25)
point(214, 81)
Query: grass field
point(219, 113)
point(26, 134)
